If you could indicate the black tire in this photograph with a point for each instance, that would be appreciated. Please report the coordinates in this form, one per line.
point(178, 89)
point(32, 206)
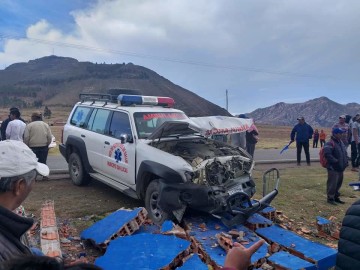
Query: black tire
point(157, 215)
point(77, 172)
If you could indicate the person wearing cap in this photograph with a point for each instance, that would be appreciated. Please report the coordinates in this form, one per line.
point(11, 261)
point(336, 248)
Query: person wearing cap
point(15, 129)
point(344, 126)
point(18, 170)
point(38, 136)
point(5, 123)
point(303, 132)
point(355, 143)
point(337, 161)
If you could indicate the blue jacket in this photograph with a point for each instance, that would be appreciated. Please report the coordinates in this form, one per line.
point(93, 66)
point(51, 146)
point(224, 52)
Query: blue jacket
point(303, 132)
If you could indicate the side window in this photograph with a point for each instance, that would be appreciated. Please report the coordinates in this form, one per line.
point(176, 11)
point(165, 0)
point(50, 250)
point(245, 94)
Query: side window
point(120, 124)
point(79, 117)
point(100, 119)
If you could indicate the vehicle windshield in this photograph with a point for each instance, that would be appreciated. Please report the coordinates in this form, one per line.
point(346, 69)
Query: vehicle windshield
point(147, 122)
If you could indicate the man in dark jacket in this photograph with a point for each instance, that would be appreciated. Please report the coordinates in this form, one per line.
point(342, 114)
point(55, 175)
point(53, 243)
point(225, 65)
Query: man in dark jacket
point(18, 170)
point(348, 257)
point(303, 133)
point(337, 161)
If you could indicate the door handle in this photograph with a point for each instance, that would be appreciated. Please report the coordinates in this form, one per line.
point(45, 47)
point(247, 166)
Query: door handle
point(106, 142)
point(82, 135)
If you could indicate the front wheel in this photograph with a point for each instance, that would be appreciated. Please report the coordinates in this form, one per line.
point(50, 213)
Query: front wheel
point(77, 172)
point(152, 194)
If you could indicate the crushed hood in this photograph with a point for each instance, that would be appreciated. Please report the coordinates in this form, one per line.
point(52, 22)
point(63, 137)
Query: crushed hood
point(174, 128)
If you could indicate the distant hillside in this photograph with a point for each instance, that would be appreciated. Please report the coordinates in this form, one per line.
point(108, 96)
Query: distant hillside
point(57, 80)
point(319, 112)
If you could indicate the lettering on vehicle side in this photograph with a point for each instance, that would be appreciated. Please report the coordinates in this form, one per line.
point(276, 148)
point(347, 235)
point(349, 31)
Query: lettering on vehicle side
point(118, 152)
point(150, 116)
point(117, 167)
point(216, 131)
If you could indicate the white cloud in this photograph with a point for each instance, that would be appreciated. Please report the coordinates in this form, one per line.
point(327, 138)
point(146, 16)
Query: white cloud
point(315, 38)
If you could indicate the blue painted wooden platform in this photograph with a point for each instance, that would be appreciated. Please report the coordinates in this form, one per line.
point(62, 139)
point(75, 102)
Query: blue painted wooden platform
point(290, 261)
point(101, 231)
point(324, 257)
point(193, 263)
point(142, 251)
point(209, 242)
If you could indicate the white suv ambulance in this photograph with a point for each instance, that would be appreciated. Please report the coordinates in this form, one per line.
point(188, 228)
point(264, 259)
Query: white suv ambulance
point(143, 147)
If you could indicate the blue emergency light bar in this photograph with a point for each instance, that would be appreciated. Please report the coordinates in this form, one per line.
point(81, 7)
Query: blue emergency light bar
point(128, 100)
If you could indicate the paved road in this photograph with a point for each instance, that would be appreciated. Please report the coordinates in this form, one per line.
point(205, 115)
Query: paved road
point(57, 163)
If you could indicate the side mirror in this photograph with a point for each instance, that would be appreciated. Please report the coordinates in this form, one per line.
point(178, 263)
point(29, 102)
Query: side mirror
point(126, 138)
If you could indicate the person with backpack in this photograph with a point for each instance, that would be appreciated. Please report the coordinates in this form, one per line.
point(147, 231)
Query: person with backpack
point(337, 161)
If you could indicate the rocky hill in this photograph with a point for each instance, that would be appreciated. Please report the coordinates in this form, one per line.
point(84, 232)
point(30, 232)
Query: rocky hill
point(319, 112)
point(57, 80)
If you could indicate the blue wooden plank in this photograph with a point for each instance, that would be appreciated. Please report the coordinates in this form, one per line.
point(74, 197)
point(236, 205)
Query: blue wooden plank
point(288, 261)
point(102, 230)
point(322, 221)
point(194, 262)
point(257, 219)
point(325, 257)
point(209, 242)
point(142, 251)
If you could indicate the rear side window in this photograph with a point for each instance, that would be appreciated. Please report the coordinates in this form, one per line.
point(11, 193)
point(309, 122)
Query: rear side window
point(80, 115)
point(120, 124)
point(98, 120)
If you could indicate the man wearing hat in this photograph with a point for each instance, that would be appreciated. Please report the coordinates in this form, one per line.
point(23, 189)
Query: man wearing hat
point(303, 132)
point(38, 136)
point(337, 161)
point(18, 170)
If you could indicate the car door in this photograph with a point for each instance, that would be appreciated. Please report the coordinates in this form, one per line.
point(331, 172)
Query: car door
point(97, 127)
point(119, 157)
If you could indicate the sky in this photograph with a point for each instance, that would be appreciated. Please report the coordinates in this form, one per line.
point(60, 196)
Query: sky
point(262, 52)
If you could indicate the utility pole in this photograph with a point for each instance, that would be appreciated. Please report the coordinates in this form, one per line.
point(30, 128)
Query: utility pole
point(227, 101)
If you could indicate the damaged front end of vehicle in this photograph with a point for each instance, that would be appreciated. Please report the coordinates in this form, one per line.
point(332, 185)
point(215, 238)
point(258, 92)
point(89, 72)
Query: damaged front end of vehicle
point(220, 182)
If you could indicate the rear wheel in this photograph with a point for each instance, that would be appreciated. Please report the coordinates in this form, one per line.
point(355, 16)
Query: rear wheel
point(77, 172)
point(152, 194)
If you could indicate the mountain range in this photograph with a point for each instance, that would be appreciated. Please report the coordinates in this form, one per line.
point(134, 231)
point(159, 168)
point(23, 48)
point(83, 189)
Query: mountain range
point(58, 81)
point(318, 112)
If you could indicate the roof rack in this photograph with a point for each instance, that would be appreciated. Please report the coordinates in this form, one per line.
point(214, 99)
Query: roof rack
point(97, 97)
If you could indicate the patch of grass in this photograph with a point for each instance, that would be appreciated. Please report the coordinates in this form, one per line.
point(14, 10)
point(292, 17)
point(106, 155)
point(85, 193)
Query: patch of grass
point(302, 192)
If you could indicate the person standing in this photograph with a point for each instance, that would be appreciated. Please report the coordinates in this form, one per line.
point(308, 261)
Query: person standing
point(18, 170)
point(322, 137)
point(337, 161)
point(38, 136)
point(5, 123)
point(251, 139)
point(303, 132)
point(315, 138)
point(345, 127)
point(355, 144)
point(15, 128)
